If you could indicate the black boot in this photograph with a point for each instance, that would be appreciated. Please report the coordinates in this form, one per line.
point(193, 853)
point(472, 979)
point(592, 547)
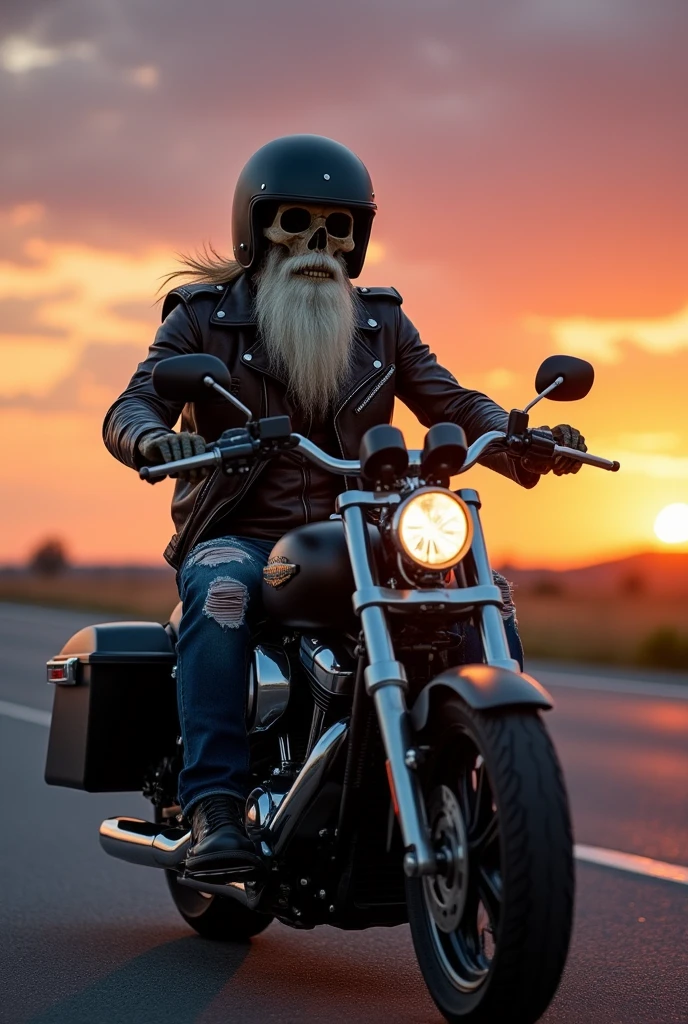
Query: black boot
point(219, 844)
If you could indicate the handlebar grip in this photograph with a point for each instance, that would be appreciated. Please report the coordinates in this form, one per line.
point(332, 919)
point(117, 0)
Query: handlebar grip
point(587, 459)
point(154, 473)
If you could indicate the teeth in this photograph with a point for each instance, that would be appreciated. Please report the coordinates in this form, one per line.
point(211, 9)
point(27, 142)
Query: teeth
point(315, 273)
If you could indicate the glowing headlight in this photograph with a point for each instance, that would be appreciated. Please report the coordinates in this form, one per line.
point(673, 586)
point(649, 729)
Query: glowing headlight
point(434, 528)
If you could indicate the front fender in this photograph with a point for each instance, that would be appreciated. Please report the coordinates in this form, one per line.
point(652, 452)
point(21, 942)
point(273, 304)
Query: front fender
point(482, 687)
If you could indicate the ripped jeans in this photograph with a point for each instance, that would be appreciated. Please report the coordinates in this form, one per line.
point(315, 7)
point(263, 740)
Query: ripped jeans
point(220, 588)
point(219, 585)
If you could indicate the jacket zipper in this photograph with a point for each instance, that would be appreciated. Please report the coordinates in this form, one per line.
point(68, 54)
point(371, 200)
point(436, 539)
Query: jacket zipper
point(371, 394)
point(362, 384)
point(305, 477)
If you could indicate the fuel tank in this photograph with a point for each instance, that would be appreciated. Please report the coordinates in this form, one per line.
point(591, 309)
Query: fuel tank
point(308, 582)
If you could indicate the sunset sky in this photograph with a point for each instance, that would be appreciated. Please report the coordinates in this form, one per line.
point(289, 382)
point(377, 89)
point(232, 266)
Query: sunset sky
point(530, 160)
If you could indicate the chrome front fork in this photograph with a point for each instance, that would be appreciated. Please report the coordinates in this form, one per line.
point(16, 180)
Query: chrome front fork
point(495, 643)
point(385, 680)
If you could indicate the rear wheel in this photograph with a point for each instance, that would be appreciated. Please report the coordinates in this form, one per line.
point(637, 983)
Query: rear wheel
point(216, 917)
point(491, 930)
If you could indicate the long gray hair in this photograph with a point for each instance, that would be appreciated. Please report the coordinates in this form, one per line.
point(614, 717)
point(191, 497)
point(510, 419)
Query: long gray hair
point(206, 265)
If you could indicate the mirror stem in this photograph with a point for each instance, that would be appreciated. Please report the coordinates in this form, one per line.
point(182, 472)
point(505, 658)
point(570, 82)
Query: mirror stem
point(543, 394)
point(210, 383)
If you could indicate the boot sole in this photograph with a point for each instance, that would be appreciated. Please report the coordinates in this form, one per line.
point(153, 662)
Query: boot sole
point(216, 868)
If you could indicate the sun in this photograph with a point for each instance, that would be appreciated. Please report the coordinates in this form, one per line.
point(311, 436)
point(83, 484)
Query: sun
point(671, 525)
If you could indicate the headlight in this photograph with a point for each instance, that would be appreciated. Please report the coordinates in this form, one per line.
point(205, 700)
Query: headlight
point(433, 528)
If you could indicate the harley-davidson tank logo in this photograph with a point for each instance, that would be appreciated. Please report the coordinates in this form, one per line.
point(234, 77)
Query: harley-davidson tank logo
point(279, 571)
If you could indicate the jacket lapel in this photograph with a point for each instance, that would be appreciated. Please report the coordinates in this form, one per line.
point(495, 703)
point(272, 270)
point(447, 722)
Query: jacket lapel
point(236, 309)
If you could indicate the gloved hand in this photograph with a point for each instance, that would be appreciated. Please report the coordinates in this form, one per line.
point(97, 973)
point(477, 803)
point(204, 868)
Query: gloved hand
point(566, 436)
point(166, 446)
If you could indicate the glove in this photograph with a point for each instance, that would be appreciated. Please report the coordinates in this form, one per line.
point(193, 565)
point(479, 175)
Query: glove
point(166, 446)
point(563, 435)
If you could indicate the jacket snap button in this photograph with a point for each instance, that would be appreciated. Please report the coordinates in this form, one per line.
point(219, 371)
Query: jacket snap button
point(248, 357)
point(377, 364)
point(364, 290)
point(219, 287)
point(372, 323)
point(220, 314)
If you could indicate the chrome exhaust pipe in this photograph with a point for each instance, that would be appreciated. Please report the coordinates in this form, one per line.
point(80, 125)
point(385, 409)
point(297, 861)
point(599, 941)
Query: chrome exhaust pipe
point(142, 842)
point(307, 783)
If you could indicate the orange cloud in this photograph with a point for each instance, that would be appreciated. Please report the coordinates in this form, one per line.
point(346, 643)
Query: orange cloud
point(602, 338)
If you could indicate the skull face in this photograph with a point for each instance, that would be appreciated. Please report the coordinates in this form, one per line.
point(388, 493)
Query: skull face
point(312, 229)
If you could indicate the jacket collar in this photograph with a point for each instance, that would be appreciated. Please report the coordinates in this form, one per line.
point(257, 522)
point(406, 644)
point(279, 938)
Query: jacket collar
point(236, 309)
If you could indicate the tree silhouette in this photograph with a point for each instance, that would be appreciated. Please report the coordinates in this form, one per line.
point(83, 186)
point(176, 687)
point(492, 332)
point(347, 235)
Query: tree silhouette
point(50, 557)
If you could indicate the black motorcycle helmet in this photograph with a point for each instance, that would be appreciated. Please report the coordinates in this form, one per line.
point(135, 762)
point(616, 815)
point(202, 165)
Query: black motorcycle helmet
point(303, 168)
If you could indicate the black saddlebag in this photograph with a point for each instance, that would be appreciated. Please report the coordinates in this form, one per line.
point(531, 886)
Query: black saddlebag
point(115, 709)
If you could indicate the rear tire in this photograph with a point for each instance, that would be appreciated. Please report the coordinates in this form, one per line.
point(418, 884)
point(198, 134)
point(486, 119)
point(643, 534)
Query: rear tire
point(492, 933)
point(216, 917)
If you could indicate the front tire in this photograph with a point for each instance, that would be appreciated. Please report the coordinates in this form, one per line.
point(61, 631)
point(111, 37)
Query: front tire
point(491, 931)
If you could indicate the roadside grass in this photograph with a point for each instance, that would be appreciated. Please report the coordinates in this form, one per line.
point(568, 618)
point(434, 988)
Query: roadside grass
point(604, 629)
point(599, 628)
point(136, 593)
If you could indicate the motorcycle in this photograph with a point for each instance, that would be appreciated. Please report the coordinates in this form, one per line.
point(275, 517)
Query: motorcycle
point(391, 782)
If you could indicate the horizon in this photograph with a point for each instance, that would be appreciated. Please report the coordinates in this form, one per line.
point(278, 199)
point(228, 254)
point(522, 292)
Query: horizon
point(161, 565)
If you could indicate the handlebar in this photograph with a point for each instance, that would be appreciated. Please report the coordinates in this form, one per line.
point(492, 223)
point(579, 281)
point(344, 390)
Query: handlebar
point(587, 459)
point(216, 456)
point(153, 473)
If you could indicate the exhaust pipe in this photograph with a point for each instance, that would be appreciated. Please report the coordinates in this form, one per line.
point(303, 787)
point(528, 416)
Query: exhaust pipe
point(142, 842)
point(307, 783)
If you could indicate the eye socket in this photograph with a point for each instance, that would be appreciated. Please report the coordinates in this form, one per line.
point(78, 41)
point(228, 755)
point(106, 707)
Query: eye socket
point(338, 225)
point(295, 220)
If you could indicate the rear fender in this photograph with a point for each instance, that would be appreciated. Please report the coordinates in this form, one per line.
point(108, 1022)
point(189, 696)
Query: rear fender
point(482, 687)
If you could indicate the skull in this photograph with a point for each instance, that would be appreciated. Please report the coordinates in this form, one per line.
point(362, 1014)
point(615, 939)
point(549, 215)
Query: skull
point(312, 229)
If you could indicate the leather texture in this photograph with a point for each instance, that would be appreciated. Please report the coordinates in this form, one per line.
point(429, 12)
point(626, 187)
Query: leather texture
point(389, 361)
point(219, 843)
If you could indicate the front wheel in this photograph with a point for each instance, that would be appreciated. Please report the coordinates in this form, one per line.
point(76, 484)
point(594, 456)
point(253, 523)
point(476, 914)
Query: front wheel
point(491, 930)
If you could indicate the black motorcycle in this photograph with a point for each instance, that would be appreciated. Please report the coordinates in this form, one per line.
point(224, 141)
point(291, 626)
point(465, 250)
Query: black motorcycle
point(391, 781)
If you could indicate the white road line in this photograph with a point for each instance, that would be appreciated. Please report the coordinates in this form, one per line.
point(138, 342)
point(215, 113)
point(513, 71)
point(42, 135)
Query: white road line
point(633, 863)
point(24, 714)
point(608, 684)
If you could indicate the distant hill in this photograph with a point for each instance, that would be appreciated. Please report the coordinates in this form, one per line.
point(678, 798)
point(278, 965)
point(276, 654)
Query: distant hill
point(657, 573)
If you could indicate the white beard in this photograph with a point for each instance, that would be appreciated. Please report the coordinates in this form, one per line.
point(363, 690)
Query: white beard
point(307, 325)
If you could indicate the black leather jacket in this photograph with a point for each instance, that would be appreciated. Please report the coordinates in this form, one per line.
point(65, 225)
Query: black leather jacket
point(389, 360)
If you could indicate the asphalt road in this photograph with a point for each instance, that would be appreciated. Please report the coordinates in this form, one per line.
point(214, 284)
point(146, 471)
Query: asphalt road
point(85, 939)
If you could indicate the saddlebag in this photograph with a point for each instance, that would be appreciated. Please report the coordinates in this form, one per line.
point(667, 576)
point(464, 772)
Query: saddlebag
point(115, 710)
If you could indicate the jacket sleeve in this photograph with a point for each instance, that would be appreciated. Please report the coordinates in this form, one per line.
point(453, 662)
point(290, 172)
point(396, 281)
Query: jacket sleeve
point(139, 410)
point(434, 395)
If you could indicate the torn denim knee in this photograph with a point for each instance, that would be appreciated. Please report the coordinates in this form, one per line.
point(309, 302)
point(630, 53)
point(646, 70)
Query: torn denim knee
point(226, 602)
point(507, 590)
point(213, 552)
